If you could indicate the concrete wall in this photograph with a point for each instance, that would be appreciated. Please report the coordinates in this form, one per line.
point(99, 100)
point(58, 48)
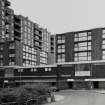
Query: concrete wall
point(38, 57)
point(69, 46)
point(102, 85)
point(98, 71)
point(6, 53)
point(97, 44)
point(19, 53)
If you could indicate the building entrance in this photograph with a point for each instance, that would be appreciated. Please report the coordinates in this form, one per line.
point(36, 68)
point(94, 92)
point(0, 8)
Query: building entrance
point(70, 85)
point(96, 85)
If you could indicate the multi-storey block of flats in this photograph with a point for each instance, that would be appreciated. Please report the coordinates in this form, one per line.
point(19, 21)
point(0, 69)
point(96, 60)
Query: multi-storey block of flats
point(83, 54)
point(22, 42)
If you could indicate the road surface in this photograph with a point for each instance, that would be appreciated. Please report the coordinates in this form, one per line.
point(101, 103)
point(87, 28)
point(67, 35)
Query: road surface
point(80, 97)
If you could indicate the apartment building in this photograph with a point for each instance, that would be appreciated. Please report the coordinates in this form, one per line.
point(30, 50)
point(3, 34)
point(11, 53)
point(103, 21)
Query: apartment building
point(84, 51)
point(22, 41)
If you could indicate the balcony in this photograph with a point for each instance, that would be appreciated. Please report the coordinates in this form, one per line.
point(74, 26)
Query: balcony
point(7, 31)
point(37, 33)
point(7, 3)
point(17, 37)
point(17, 31)
point(38, 45)
point(7, 11)
point(8, 20)
point(38, 40)
point(17, 24)
point(17, 20)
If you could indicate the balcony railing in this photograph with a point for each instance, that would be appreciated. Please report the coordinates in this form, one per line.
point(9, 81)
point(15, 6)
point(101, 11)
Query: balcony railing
point(7, 3)
point(7, 11)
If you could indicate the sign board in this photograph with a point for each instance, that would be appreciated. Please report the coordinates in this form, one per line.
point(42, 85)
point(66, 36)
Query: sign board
point(82, 73)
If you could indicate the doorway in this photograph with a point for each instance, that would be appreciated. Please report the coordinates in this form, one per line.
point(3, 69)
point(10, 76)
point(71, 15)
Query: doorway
point(70, 85)
point(96, 84)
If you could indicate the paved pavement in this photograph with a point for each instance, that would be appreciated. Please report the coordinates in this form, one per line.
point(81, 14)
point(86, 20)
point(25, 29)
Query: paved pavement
point(80, 97)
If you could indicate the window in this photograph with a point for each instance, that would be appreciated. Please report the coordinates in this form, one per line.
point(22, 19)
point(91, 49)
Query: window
point(61, 48)
point(11, 63)
point(20, 70)
point(33, 70)
point(60, 58)
point(48, 69)
point(2, 3)
point(84, 36)
point(1, 62)
point(11, 55)
point(82, 39)
point(1, 56)
point(82, 56)
point(103, 44)
point(61, 39)
point(11, 46)
point(9, 73)
point(1, 47)
point(103, 33)
point(3, 23)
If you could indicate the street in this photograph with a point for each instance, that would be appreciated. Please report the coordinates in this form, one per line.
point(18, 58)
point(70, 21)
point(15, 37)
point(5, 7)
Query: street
point(80, 97)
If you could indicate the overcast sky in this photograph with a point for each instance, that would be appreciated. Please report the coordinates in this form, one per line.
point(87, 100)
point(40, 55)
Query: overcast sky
point(63, 15)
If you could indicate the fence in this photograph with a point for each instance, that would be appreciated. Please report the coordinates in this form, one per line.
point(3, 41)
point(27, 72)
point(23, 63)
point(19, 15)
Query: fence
point(38, 101)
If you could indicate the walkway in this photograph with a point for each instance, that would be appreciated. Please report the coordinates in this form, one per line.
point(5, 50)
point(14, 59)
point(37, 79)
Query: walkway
point(80, 97)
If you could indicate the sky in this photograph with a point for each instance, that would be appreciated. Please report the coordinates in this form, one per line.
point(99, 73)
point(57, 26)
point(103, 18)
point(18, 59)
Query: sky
point(60, 16)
